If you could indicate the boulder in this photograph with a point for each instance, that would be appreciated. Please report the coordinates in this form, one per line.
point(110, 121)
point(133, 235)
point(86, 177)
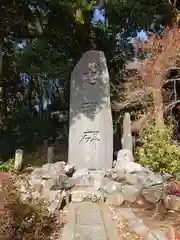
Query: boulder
point(49, 183)
point(116, 175)
point(125, 162)
point(149, 178)
point(152, 194)
point(62, 182)
point(110, 186)
point(132, 179)
point(54, 169)
point(69, 170)
point(116, 199)
point(130, 193)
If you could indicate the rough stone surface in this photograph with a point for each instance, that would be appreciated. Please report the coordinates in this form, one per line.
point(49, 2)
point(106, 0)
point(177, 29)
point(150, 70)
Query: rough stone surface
point(115, 199)
point(149, 178)
point(132, 179)
point(153, 194)
point(97, 178)
point(49, 183)
point(131, 193)
point(139, 186)
point(127, 140)
point(114, 186)
point(111, 186)
point(125, 161)
point(87, 195)
point(18, 162)
point(91, 129)
point(116, 175)
point(85, 178)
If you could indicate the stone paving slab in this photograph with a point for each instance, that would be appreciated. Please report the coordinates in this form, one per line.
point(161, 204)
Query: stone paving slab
point(89, 221)
point(88, 214)
point(90, 233)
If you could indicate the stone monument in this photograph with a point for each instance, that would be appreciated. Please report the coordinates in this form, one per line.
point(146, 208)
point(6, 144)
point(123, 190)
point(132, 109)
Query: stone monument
point(18, 159)
point(90, 119)
point(127, 139)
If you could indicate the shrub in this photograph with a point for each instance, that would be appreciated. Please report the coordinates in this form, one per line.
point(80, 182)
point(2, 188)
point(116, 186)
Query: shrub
point(23, 221)
point(7, 166)
point(159, 150)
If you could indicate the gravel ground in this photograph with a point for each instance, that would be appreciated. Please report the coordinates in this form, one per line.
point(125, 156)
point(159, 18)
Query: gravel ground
point(155, 222)
point(60, 222)
point(122, 226)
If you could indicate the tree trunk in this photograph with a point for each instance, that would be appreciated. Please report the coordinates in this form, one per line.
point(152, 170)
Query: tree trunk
point(158, 108)
point(141, 123)
point(3, 92)
point(30, 90)
point(1, 58)
point(172, 14)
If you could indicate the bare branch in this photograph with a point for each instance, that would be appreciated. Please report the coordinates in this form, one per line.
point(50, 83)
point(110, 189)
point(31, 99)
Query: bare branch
point(171, 80)
point(175, 92)
point(168, 2)
point(171, 105)
point(173, 68)
point(174, 3)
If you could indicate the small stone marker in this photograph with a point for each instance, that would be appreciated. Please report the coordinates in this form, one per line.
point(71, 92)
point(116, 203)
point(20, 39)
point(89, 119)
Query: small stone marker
point(50, 154)
point(125, 162)
point(18, 159)
point(91, 129)
point(127, 139)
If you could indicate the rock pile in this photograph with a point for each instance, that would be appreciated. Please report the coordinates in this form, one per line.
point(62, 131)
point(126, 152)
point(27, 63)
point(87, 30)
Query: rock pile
point(49, 183)
point(59, 183)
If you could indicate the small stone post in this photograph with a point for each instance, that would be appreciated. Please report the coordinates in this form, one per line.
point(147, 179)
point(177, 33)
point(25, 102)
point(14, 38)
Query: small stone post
point(127, 139)
point(50, 154)
point(18, 159)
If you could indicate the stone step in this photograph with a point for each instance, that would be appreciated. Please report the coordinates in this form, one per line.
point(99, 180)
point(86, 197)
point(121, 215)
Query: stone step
point(84, 194)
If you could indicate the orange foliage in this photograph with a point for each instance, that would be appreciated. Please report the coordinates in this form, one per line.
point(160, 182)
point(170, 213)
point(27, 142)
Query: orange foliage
point(145, 86)
point(166, 53)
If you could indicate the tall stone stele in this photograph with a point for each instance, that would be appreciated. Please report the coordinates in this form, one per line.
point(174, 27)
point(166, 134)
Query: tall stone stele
point(90, 119)
point(127, 139)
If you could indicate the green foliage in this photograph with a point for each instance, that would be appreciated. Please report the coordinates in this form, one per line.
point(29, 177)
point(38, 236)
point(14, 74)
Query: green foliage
point(23, 220)
point(55, 41)
point(7, 166)
point(159, 150)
